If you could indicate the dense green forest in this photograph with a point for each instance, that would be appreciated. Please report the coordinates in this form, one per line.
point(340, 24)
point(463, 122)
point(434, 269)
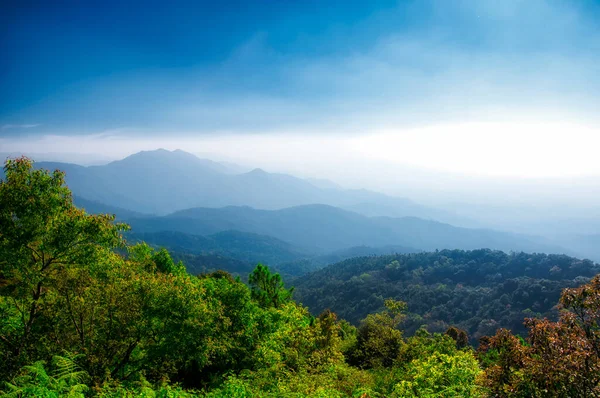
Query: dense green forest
point(478, 291)
point(82, 313)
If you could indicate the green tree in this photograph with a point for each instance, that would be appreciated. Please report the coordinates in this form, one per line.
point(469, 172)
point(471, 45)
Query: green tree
point(268, 289)
point(42, 235)
point(441, 375)
point(378, 340)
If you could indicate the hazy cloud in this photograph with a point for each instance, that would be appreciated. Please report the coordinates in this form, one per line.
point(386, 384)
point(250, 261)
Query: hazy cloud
point(18, 126)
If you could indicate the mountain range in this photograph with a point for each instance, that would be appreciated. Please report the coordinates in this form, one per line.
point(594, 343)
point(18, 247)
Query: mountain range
point(323, 228)
point(161, 182)
point(198, 207)
point(306, 237)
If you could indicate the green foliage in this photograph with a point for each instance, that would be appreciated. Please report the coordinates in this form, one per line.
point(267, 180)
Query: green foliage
point(268, 289)
point(378, 339)
point(43, 238)
point(477, 291)
point(440, 375)
point(66, 379)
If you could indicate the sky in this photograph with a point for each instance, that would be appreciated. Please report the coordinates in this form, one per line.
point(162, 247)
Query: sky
point(473, 88)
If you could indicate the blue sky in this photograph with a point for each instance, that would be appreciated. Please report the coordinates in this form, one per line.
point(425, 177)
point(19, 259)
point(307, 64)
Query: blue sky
point(202, 67)
point(76, 59)
point(375, 69)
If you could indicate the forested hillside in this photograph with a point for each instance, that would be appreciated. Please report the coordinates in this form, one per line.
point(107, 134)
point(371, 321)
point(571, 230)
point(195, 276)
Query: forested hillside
point(84, 314)
point(478, 291)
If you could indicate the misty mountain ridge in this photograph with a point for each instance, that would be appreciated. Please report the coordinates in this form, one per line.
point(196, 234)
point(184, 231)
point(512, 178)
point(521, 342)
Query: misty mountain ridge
point(94, 207)
point(323, 228)
point(319, 234)
point(145, 182)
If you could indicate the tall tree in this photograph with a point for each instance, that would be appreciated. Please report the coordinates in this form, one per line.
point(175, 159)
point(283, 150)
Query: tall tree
point(379, 340)
point(268, 289)
point(42, 234)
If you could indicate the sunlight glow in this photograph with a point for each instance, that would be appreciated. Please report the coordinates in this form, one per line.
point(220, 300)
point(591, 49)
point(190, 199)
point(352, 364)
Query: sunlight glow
point(503, 149)
point(492, 149)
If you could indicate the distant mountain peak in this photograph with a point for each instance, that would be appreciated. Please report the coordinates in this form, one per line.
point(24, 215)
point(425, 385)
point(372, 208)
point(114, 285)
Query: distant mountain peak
point(164, 152)
point(161, 155)
point(258, 172)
